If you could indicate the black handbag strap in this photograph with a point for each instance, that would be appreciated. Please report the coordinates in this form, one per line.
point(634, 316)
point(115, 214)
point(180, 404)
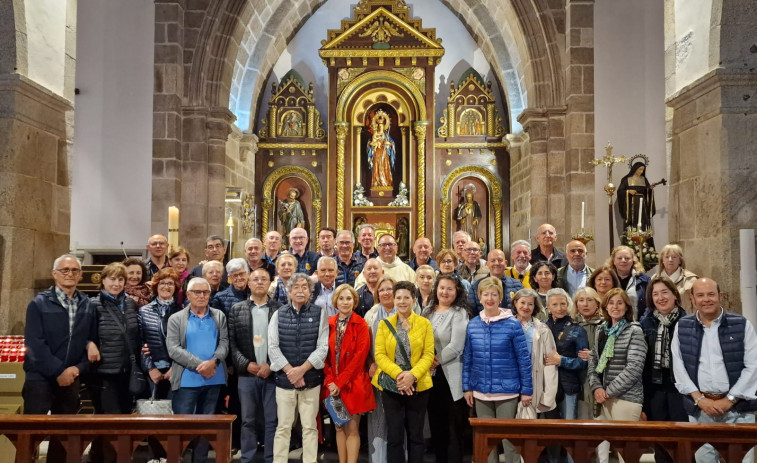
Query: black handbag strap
point(399, 342)
point(123, 332)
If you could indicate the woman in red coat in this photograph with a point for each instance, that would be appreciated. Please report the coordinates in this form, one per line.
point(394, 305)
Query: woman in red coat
point(346, 375)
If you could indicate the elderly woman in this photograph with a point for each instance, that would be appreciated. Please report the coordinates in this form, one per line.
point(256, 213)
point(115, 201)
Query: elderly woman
point(153, 320)
point(570, 339)
point(673, 267)
point(212, 272)
point(497, 371)
point(543, 277)
point(447, 260)
point(526, 305)
point(286, 264)
point(178, 259)
point(587, 313)
point(603, 279)
point(237, 291)
point(345, 375)
point(377, 420)
point(136, 281)
point(424, 282)
point(404, 355)
point(117, 338)
point(662, 402)
point(447, 311)
point(632, 277)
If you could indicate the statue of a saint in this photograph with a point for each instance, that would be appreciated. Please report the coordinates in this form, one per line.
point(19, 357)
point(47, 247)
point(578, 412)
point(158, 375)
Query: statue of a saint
point(381, 151)
point(636, 198)
point(290, 213)
point(468, 213)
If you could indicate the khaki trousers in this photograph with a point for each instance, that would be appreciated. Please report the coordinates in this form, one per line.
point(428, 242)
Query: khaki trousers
point(289, 402)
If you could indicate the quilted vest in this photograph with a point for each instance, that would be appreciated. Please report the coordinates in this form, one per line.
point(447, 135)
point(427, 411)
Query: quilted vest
point(298, 338)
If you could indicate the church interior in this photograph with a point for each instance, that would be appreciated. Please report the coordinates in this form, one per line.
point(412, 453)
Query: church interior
point(421, 117)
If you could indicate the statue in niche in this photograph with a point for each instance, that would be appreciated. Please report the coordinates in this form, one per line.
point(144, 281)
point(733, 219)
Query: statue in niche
point(403, 237)
point(381, 151)
point(636, 198)
point(471, 123)
point(290, 213)
point(468, 213)
point(292, 126)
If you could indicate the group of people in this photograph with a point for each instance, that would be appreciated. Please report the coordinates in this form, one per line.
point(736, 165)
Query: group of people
point(289, 334)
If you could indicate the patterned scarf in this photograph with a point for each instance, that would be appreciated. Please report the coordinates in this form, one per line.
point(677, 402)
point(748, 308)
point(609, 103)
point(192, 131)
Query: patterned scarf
point(662, 343)
point(341, 328)
point(609, 351)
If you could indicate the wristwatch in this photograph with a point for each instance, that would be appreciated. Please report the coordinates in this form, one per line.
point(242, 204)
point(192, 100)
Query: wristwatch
point(217, 360)
point(698, 399)
point(732, 398)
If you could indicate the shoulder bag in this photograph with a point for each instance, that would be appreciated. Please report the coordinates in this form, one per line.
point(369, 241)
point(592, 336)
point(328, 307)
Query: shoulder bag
point(386, 382)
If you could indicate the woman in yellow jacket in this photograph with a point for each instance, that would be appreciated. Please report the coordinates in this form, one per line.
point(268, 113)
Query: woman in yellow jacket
point(404, 352)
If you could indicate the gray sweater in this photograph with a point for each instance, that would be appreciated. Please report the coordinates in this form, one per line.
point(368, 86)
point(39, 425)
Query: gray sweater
point(176, 342)
point(622, 376)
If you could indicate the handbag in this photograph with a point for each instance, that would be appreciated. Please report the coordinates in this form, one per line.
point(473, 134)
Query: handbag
point(386, 382)
point(525, 413)
point(137, 380)
point(338, 412)
point(153, 406)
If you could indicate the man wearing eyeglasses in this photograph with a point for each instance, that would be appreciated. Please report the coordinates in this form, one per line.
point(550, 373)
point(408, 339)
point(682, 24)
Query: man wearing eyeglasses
point(472, 269)
point(215, 249)
point(58, 325)
point(392, 265)
point(197, 341)
point(349, 265)
point(157, 255)
point(546, 235)
point(306, 260)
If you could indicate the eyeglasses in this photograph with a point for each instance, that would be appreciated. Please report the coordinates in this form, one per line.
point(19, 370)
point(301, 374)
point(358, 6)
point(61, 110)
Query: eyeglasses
point(200, 292)
point(167, 283)
point(214, 246)
point(158, 243)
point(387, 245)
point(239, 276)
point(69, 271)
point(474, 250)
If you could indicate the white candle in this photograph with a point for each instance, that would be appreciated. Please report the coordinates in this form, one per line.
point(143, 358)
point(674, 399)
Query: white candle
point(583, 210)
point(641, 208)
point(173, 226)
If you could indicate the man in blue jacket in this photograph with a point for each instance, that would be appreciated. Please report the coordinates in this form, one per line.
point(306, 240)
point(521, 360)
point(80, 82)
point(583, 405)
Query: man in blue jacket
point(58, 325)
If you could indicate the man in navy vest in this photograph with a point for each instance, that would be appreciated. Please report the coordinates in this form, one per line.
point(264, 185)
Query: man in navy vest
point(298, 341)
point(715, 364)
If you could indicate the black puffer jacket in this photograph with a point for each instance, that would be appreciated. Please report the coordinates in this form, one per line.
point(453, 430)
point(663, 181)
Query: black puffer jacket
point(154, 328)
point(240, 334)
point(114, 353)
point(224, 299)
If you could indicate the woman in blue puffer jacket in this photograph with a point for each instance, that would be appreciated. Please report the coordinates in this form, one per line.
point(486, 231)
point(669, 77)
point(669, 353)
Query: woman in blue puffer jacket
point(496, 362)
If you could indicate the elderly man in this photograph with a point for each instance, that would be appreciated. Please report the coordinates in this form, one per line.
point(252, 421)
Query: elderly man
point(715, 364)
point(59, 321)
point(372, 272)
point(248, 340)
point(324, 289)
point(366, 237)
point(157, 258)
point(422, 250)
point(297, 346)
point(575, 275)
point(546, 235)
point(255, 253)
point(520, 255)
point(215, 250)
point(327, 241)
point(459, 238)
point(392, 265)
point(197, 341)
point(272, 247)
point(349, 267)
point(472, 269)
point(497, 262)
point(306, 260)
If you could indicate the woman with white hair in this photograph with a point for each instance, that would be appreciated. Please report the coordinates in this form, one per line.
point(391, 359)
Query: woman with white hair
point(238, 273)
point(570, 340)
point(673, 266)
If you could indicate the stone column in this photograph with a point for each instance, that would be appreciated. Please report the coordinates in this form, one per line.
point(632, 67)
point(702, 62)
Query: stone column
point(419, 128)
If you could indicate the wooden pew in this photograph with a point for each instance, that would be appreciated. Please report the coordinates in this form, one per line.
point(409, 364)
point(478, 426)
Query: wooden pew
point(631, 439)
point(123, 432)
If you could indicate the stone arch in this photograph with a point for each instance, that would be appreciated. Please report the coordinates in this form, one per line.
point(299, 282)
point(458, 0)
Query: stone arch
point(493, 184)
point(14, 59)
point(274, 178)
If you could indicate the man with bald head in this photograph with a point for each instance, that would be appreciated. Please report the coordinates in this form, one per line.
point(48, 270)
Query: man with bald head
point(546, 236)
point(272, 244)
point(497, 263)
point(422, 250)
point(574, 276)
point(715, 364)
point(157, 255)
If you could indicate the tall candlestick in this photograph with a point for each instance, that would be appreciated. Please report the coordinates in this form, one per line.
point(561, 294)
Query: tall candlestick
point(173, 226)
point(641, 208)
point(583, 210)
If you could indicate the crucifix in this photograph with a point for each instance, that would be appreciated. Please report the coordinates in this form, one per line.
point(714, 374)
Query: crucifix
point(608, 161)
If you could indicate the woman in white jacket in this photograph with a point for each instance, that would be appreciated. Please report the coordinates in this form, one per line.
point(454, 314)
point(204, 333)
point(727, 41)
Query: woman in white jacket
point(526, 304)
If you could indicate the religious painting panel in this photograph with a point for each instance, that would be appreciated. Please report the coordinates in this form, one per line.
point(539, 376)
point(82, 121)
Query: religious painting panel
point(470, 209)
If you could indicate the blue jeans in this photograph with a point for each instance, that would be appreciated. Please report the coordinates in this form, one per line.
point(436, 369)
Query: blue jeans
point(707, 453)
point(256, 395)
point(569, 407)
point(197, 401)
